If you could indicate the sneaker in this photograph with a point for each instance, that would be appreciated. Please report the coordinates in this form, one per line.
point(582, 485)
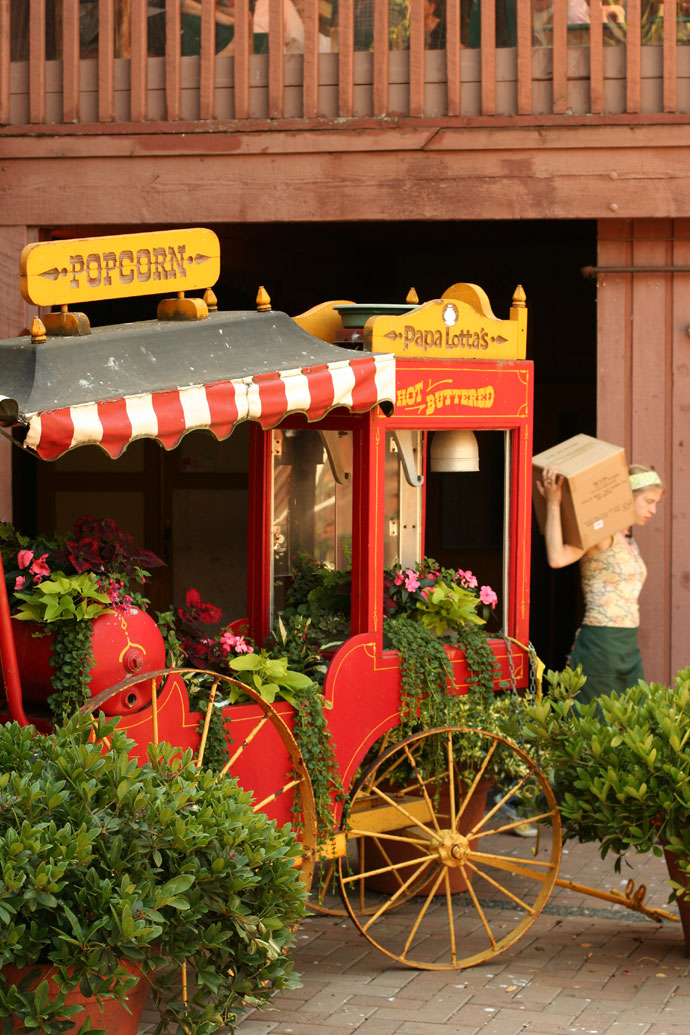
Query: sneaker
point(508, 814)
point(524, 830)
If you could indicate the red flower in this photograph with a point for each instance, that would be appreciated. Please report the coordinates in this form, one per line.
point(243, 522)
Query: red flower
point(39, 567)
point(24, 558)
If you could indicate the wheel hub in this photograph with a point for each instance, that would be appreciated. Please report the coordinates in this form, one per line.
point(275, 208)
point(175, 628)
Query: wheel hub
point(454, 849)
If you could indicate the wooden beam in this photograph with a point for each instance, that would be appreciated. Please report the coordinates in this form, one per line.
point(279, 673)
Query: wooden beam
point(5, 60)
point(346, 44)
point(138, 62)
point(524, 57)
point(596, 57)
point(310, 78)
point(37, 61)
point(416, 8)
point(243, 40)
point(670, 44)
point(453, 52)
point(107, 37)
point(633, 59)
point(173, 59)
point(560, 59)
point(276, 59)
point(488, 56)
point(70, 60)
point(207, 63)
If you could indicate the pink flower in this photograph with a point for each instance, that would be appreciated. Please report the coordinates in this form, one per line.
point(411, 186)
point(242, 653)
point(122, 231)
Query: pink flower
point(24, 558)
point(398, 580)
point(411, 581)
point(471, 580)
point(39, 567)
point(19, 582)
point(229, 641)
point(487, 596)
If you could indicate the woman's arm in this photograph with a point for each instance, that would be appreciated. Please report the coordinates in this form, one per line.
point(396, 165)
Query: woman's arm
point(558, 553)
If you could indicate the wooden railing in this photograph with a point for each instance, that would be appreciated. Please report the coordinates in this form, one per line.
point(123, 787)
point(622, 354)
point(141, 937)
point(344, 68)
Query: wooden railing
point(53, 72)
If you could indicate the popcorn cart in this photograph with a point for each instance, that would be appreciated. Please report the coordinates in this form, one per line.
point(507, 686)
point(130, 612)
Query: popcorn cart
point(351, 407)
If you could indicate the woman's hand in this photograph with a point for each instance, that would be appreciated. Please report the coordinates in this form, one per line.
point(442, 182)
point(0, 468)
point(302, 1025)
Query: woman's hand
point(551, 486)
point(558, 553)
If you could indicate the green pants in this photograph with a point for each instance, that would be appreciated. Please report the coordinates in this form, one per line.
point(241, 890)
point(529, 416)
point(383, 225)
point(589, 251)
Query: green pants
point(610, 658)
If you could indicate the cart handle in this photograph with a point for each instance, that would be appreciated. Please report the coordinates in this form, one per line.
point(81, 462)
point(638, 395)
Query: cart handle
point(535, 660)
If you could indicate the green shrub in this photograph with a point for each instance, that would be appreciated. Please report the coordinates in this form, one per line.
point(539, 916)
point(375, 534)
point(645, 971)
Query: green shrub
point(103, 862)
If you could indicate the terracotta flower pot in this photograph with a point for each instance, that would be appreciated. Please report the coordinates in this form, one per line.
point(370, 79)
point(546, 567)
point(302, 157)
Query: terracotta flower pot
point(676, 874)
point(398, 852)
point(114, 1016)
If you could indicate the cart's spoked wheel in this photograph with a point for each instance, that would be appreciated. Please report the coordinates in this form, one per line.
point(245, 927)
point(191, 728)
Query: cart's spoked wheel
point(262, 753)
point(325, 898)
point(469, 887)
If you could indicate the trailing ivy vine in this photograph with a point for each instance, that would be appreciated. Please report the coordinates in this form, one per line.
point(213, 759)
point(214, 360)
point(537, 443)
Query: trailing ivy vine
point(429, 697)
point(72, 660)
point(315, 743)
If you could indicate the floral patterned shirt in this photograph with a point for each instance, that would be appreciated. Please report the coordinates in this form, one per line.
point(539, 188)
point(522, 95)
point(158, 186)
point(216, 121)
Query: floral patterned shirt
point(611, 584)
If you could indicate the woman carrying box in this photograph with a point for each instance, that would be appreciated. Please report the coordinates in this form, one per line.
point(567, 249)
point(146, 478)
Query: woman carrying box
point(612, 573)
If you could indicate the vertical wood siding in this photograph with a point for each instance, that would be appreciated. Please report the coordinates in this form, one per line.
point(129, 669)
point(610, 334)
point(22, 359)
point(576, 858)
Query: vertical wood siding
point(643, 387)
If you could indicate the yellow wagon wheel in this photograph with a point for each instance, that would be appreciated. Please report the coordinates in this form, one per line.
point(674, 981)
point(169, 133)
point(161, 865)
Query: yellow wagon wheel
point(252, 734)
point(325, 898)
point(423, 833)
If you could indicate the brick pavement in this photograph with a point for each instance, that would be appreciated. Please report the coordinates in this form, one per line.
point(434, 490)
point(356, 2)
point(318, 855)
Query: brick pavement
point(584, 968)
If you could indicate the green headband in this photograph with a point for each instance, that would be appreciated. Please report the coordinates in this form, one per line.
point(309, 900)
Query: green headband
point(643, 480)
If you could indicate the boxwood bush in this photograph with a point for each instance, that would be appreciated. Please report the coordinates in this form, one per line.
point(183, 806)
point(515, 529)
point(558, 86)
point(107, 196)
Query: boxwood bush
point(104, 863)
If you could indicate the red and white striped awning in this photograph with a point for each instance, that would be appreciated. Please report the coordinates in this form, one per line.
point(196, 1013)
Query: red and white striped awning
point(354, 380)
point(358, 384)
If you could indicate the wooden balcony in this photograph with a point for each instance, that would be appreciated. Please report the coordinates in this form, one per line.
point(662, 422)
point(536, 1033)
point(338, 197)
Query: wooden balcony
point(108, 65)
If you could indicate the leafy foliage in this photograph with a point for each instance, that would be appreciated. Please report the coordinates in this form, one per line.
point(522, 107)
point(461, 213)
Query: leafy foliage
point(429, 697)
point(448, 606)
point(72, 660)
point(104, 862)
point(63, 598)
point(621, 763)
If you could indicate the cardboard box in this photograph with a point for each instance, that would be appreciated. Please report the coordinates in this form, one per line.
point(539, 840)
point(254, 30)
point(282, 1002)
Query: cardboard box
point(597, 498)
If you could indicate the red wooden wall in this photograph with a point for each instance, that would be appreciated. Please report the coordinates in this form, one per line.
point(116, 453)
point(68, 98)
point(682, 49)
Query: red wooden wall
point(643, 404)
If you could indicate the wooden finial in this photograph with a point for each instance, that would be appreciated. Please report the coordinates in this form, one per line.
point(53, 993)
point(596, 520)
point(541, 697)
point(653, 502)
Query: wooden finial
point(263, 300)
point(210, 300)
point(519, 297)
point(412, 297)
point(38, 331)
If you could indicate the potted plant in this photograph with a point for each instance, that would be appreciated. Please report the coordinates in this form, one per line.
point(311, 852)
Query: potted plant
point(621, 767)
point(71, 598)
point(287, 669)
point(115, 873)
